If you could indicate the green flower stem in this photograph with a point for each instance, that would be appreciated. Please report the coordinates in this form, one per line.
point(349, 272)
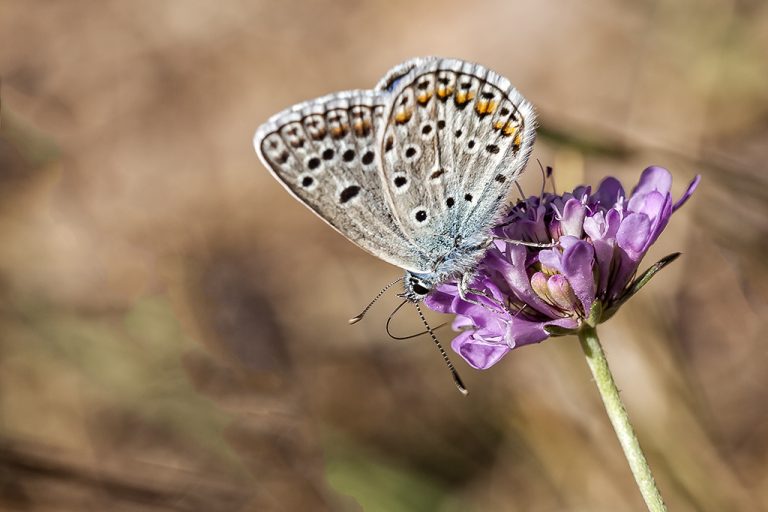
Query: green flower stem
point(590, 343)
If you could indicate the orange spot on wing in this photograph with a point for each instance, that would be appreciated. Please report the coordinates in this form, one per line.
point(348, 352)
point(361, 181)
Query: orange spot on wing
point(509, 129)
point(444, 91)
point(362, 127)
point(485, 107)
point(318, 134)
point(403, 116)
point(338, 131)
point(463, 97)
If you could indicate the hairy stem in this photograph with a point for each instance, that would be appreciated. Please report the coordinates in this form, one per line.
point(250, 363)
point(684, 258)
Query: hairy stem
point(590, 344)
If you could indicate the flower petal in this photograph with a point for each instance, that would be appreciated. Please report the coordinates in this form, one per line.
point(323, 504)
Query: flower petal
point(479, 354)
point(539, 285)
point(582, 191)
point(595, 226)
point(651, 204)
point(609, 192)
point(691, 187)
point(573, 218)
point(441, 299)
point(525, 332)
point(462, 322)
point(604, 252)
point(512, 268)
point(561, 292)
point(654, 179)
point(550, 258)
point(578, 261)
point(481, 317)
point(634, 233)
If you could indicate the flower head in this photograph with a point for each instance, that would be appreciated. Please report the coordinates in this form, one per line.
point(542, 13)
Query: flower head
point(599, 240)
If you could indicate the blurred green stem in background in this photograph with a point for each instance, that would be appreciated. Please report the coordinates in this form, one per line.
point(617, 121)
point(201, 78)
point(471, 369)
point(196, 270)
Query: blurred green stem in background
point(590, 343)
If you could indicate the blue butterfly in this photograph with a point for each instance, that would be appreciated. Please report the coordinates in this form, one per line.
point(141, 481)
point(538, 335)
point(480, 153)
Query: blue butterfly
point(416, 171)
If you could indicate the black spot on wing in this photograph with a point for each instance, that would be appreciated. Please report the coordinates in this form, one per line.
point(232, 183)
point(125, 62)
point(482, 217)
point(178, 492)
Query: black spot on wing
point(348, 193)
point(437, 174)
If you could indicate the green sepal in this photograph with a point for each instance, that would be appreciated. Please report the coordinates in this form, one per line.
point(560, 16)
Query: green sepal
point(595, 313)
point(556, 330)
point(638, 283)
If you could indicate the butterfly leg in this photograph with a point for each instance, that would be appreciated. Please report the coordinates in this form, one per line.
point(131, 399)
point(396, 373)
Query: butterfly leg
point(464, 289)
point(526, 244)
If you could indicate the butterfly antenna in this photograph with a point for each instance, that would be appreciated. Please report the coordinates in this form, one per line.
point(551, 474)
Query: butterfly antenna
point(520, 189)
point(359, 317)
point(543, 177)
point(391, 316)
point(411, 336)
point(454, 373)
point(551, 176)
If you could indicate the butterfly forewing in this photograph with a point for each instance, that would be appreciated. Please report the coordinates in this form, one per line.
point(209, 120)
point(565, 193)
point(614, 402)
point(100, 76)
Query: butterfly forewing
point(325, 153)
point(456, 137)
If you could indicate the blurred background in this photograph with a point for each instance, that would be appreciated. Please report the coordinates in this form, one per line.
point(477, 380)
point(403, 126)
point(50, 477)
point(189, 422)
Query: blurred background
point(173, 326)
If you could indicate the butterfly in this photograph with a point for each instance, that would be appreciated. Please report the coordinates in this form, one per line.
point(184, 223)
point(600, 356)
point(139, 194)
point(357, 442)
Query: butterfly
point(415, 171)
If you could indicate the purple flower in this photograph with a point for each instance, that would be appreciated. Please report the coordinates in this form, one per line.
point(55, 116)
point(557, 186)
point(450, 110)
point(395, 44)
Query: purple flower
point(529, 294)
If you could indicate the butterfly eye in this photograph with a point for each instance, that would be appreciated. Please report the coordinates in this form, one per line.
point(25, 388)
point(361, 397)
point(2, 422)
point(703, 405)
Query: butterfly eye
point(418, 288)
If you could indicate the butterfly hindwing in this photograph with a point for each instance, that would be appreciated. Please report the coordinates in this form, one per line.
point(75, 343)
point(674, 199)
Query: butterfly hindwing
point(456, 136)
point(324, 152)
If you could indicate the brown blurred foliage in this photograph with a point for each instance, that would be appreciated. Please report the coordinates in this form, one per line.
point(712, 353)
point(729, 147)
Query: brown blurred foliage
point(173, 325)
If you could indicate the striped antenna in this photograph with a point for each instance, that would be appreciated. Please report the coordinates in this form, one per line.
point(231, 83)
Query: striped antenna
point(454, 373)
point(359, 317)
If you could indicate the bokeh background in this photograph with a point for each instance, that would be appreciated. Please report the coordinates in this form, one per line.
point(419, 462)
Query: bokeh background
point(173, 329)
